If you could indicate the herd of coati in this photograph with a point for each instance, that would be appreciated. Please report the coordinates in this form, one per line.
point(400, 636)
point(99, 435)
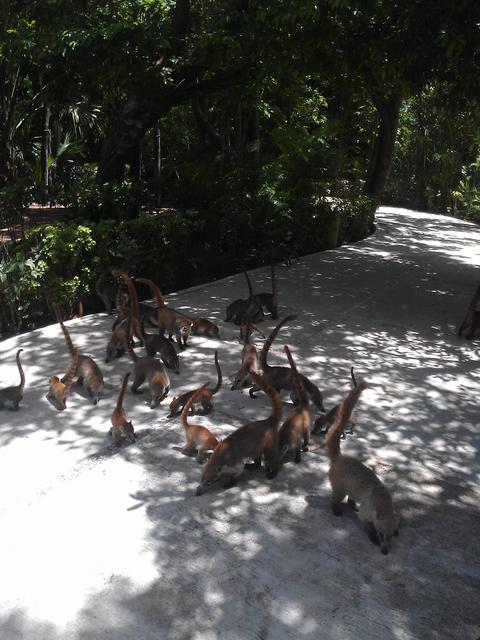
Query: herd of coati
point(268, 440)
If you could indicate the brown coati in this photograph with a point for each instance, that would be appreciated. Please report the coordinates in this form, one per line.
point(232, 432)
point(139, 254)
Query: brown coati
point(134, 326)
point(199, 439)
point(246, 330)
point(153, 371)
point(325, 421)
point(204, 398)
point(252, 441)
point(116, 344)
point(13, 395)
point(88, 372)
point(472, 319)
point(109, 291)
point(204, 327)
point(243, 310)
point(121, 427)
point(295, 431)
point(266, 300)
point(350, 477)
point(60, 389)
point(249, 362)
point(281, 377)
point(168, 319)
point(155, 343)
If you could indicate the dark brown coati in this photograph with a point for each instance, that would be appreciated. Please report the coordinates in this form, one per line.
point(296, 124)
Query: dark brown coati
point(13, 395)
point(325, 421)
point(153, 371)
point(281, 377)
point(121, 427)
point(266, 300)
point(109, 291)
point(350, 477)
point(243, 310)
point(252, 441)
point(199, 439)
point(155, 343)
point(60, 389)
point(169, 320)
point(471, 324)
point(134, 325)
point(249, 362)
point(88, 372)
point(295, 431)
point(204, 398)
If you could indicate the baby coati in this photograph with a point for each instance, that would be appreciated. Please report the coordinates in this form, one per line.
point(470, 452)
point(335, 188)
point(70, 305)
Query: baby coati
point(203, 396)
point(252, 441)
point(121, 427)
point(88, 372)
point(168, 319)
point(60, 389)
point(155, 343)
point(109, 291)
point(266, 300)
point(249, 362)
point(295, 431)
point(350, 477)
point(13, 395)
point(281, 377)
point(199, 439)
point(243, 310)
point(325, 421)
point(471, 324)
point(153, 371)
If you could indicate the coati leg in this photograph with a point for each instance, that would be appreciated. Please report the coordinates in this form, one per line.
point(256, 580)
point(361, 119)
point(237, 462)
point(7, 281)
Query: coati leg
point(338, 495)
point(372, 533)
point(272, 461)
point(298, 455)
point(139, 380)
point(351, 503)
point(256, 464)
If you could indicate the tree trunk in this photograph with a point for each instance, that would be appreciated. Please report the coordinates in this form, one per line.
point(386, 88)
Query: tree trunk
point(157, 165)
point(381, 157)
point(45, 152)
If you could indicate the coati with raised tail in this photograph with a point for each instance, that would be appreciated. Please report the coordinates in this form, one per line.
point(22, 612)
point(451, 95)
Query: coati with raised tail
point(204, 397)
point(325, 421)
point(249, 362)
point(252, 441)
point(134, 326)
point(88, 372)
point(60, 389)
point(244, 310)
point(155, 343)
point(295, 431)
point(350, 477)
point(109, 291)
point(281, 377)
point(153, 371)
point(266, 300)
point(168, 319)
point(472, 319)
point(200, 440)
point(13, 395)
point(121, 427)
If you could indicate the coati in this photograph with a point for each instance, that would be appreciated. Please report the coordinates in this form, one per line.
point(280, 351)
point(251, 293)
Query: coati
point(249, 362)
point(169, 319)
point(252, 441)
point(116, 344)
point(267, 300)
point(204, 327)
point(244, 310)
point(203, 396)
point(88, 372)
point(281, 377)
point(350, 477)
point(155, 343)
point(134, 325)
point(472, 319)
point(325, 421)
point(60, 389)
point(199, 439)
point(295, 431)
point(120, 425)
point(14, 394)
point(150, 369)
point(109, 291)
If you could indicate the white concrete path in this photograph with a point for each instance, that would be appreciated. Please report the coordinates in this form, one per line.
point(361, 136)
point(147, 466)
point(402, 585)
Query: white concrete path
point(98, 543)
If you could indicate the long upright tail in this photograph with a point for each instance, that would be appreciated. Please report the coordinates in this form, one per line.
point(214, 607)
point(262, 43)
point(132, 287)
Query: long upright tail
point(343, 416)
point(277, 404)
point(134, 307)
point(68, 339)
point(297, 381)
point(270, 339)
point(353, 377)
point(188, 405)
point(156, 292)
point(219, 374)
point(249, 284)
point(20, 370)
point(69, 376)
point(121, 393)
point(128, 346)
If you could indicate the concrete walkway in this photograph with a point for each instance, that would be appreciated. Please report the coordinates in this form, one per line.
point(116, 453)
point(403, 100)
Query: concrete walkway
point(101, 543)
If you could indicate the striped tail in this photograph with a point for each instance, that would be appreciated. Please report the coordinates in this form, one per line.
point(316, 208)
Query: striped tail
point(297, 381)
point(277, 404)
point(188, 405)
point(20, 370)
point(343, 416)
point(121, 394)
point(270, 339)
point(219, 374)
